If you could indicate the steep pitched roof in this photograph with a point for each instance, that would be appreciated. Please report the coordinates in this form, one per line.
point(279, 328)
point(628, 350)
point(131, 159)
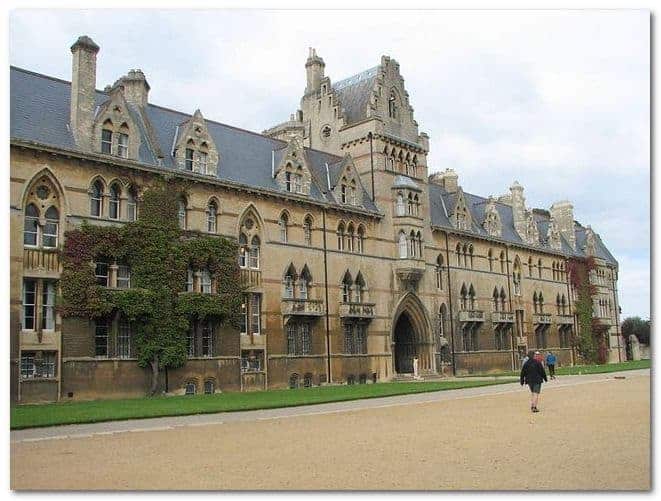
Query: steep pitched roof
point(39, 107)
point(354, 94)
point(439, 198)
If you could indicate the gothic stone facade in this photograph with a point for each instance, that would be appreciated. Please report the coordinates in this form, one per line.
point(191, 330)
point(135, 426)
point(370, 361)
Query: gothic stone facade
point(357, 260)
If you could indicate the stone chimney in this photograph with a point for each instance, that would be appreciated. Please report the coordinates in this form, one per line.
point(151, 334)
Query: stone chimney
point(83, 90)
point(135, 87)
point(563, 214)
point(519, 212)
point(314, 67)
point(449, 180)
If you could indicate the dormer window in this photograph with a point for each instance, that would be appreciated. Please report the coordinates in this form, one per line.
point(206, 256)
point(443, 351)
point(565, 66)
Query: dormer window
point(203, 162)
point(106, 141)
point(188, 163)
point(123, 145)
point(343, 191)
point(392, 105)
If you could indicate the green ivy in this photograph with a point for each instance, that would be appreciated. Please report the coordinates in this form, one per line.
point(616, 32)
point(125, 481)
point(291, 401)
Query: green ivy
point(159, 254)
point(590, 339)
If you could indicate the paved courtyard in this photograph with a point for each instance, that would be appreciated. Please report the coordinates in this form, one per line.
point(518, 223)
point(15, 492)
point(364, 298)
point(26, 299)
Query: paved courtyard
point(593, 433)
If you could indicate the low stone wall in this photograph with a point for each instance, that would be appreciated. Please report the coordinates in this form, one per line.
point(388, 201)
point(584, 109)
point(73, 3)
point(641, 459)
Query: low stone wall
point(38, 390)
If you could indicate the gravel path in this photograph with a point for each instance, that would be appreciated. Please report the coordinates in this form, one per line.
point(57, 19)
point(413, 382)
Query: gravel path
point(593, 433)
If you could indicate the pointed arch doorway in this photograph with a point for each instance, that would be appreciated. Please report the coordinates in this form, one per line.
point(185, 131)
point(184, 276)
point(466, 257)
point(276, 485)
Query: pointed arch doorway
point(411, 337)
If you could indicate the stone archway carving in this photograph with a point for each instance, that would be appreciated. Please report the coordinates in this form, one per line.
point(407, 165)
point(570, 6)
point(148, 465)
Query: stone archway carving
point(419, 341)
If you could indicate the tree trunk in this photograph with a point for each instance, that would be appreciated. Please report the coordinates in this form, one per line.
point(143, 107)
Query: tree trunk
point(154, 376)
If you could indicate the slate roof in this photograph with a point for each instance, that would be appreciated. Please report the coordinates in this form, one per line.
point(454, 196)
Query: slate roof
point(438, 197)
point(354, 94)
point(39, 111)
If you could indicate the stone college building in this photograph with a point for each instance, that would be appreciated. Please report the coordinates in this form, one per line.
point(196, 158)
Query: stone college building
point(359, 263)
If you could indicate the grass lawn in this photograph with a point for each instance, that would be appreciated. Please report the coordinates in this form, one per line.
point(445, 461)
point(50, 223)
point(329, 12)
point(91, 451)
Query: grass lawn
point(583, 369)
point(29, 416)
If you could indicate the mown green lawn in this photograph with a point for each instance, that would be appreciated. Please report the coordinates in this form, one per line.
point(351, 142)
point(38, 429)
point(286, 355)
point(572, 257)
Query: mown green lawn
point(29, 416)
point(584, 369)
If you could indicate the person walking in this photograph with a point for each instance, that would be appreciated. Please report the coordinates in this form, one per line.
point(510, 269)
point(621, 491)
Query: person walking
point(550, 363)
point(532, 374)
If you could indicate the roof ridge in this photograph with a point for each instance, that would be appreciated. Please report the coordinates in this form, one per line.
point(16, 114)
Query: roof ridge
point(165, 108)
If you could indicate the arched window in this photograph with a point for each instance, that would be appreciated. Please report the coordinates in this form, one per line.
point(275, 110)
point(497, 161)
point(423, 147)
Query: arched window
point(442, 320)
point(419, 244)
point(96, 198)
point(413, 247)
point(288, 282)
point(31, 225)
point(343, 190)
point(410, 205)
point(392, 105)
point(106, 137)
point(539, 268)
point(470, 255)
point(557, 304)
point(254, 253)
point(530, 267)
point(123, 141)
point(360, 240)
point(458, 253)
point(190, 153)
point(516, 276)
point(282, 223)
point(416, 205)
point(340, 236)
point(350, 237)
point(347, 282)
point(490, 259)
point(243, 251)
point(307, 231)
point(439, 272)
point(359, 289)
point(307, 380)
point(212, 216)
point(540, 298)
point(463, 294)
point(181, 212)
point(496, 299)
point(403, 245)
point(414, 166)
point(502, 299)
point(352, 192)
point(464, 252)
point(51, 228)
point(293, 381)
point(563, 304)
point(115, 201)
point(131, 204)
point(502, 261)
point(400, 207)
point(203, 158)
point(304, 281)
point(471, 297)
point(535, 301)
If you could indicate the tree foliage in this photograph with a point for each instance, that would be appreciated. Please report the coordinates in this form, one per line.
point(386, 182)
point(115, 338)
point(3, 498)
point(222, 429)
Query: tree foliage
point(638, 327)
point(159, 254)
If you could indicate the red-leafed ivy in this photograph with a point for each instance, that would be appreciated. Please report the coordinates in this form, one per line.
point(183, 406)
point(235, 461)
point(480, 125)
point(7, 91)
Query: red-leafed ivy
point(590, 340)
point(159, 254)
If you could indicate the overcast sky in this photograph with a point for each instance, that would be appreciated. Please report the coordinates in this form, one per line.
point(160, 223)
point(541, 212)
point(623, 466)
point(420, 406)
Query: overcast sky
point(558, 100)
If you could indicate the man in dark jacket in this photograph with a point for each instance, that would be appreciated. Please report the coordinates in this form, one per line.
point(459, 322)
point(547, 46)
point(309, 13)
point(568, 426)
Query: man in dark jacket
point(532, 374)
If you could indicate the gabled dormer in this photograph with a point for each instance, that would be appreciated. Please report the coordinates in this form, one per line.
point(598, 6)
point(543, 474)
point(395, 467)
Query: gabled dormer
point(553, 235)
point(492, 223)
point(291, 171)
point(114, 131)
point(590, 242)
point(345, 183)
point(194, 149)
point(461, 217)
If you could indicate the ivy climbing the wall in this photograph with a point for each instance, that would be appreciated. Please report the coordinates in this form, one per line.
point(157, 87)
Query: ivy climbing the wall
point(590, 340)
point(159, 254)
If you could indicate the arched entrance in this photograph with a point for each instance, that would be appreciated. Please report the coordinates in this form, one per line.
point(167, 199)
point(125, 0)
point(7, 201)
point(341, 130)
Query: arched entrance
point(405, 345)
point(411, 337)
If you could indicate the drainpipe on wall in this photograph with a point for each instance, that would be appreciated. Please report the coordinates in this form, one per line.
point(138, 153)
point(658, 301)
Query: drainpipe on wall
point(509, 295)
point(369, 135)
point(447, 260)
point(328, 360)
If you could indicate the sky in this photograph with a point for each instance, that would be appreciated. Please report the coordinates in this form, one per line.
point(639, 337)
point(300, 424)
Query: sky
point(557, 100)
